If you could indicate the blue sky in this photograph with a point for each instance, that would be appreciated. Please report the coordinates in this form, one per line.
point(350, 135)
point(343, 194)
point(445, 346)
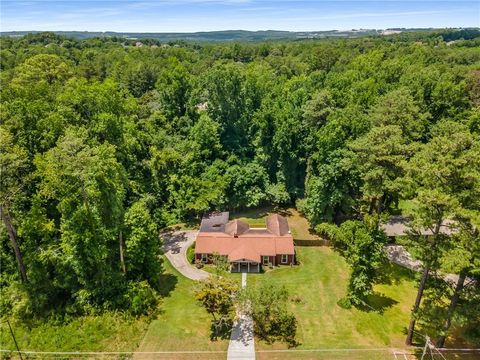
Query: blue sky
point(209, 15)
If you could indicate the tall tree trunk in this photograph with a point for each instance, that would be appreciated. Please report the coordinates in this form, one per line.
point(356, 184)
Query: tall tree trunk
point(452, 307)
point(12, 234)
point(122, 246)
point(421, 288)
point(423, 282)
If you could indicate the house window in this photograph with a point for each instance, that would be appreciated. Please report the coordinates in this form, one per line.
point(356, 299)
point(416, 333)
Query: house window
point(284, 259)
point(205, 258)
point(265, 260)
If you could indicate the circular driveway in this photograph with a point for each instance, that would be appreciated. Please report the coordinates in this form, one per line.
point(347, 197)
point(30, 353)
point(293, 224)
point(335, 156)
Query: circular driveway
point(175, 245)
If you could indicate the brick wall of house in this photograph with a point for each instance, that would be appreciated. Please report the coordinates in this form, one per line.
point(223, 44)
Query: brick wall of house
point(278, 260)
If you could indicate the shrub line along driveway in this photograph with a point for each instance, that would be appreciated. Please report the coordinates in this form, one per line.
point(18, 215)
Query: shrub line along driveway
point(175, 245)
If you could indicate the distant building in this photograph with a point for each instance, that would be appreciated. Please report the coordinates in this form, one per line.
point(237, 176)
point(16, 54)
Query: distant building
point(246, 248)
point(138, 44)
point(391, 32)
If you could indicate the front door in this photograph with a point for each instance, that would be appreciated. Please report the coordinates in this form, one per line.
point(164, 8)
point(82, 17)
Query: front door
point(244, 267)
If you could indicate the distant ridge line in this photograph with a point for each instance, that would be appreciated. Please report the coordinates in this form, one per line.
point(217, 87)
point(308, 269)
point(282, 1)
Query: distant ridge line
point(232, 35)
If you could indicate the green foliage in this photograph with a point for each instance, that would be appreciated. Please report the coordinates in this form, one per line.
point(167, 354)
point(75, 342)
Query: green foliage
point(221, 264)
point(272, 321)
point(217, 294)
point(191, 253)
point(143, 246)
point(142, 299)
point(363, 249)
point(103, 143)
point(110, 331)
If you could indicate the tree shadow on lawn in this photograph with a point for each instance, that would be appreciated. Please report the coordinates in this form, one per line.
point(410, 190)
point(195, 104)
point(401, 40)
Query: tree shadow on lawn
point(167, 283)
point(378, 302)
point(393, 274)
point(221, 329)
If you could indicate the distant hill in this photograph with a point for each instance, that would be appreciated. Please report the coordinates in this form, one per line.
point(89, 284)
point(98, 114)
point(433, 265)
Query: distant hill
point(221, 36)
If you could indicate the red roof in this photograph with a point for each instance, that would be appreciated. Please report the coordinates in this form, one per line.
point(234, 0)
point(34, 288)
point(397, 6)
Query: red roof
point(241, 242)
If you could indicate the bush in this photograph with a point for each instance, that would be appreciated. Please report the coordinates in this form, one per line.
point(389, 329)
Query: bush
point(272, 320)
point(15, 301)
point(191, 253)
point(141, 298)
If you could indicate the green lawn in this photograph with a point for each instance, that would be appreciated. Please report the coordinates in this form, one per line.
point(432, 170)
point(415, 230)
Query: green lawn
point(319, 282)
point(182, 324)
point(315, 285)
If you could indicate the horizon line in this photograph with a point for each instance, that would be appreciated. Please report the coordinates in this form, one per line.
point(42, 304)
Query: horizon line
point(259, 30)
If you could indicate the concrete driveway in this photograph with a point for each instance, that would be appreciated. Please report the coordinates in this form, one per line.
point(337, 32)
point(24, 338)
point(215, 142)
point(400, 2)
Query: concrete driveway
point(175, 245)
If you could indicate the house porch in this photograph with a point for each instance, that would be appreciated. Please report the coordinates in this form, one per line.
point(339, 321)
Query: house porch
point(244, 266)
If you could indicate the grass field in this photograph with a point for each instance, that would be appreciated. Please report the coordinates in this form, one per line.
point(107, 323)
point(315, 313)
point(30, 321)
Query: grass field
point(182, 324)
point(319, 282)
point(315, 285)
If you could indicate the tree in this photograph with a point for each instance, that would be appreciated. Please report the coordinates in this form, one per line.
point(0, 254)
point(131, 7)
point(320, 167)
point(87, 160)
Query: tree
point(140, 78)
point(41, 68)
point(227, 105)
point(317, 109)
point(87, 185)
point(246, 185)
point(221, 263)
point(14, 167)
point(451, 192)
point(217, 294)
point(268, 307)
point(398, 108)
point(381, 155)
point(142, 244)
point(461, 257)
point(362, 244)
point(174, 88)
point(206, 133)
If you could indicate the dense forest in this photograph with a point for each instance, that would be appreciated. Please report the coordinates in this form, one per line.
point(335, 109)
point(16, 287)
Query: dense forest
point(104, 142)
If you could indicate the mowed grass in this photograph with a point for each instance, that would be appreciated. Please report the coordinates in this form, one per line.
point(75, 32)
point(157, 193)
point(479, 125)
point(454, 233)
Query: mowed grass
point(316, 285)
point(320, 281)
point(182, 325)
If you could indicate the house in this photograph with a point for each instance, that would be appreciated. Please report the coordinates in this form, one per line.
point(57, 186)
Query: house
point(246, 248)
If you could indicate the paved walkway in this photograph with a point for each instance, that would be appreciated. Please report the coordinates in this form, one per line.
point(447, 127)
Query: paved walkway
point(400, 256)
point(175, 245)
point(242, 344)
